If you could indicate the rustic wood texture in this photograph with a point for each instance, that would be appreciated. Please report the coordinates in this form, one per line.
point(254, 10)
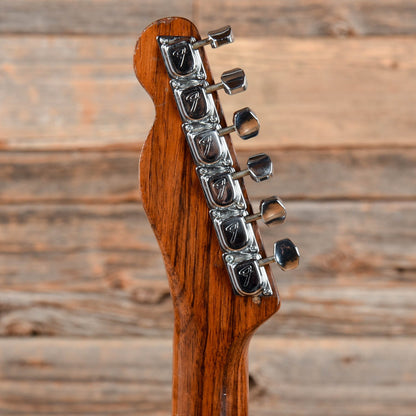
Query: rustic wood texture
point(212, 326)
point(82, 93)
point(363, 377)
point(312, 17)
point(111, 177)
point(273, 17)
point(96, 271)
point(78, 258)
point(86, 17)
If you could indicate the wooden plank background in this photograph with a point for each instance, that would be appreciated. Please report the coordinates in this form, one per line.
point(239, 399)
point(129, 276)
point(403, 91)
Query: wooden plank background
point(85, 313)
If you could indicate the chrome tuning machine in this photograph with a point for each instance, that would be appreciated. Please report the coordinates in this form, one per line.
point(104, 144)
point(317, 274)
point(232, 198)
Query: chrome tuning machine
point(259, 167)
point(248, 275)
point(272, 212)
point(220, 182)
point(216, 38)
point(285, 254)
point(245, 123)
point(235, 231)
point(233, 81)
point(221, 186)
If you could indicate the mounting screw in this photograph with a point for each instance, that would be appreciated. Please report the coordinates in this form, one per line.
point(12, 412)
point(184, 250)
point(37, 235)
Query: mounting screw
point(229, 258)
point(256, 300)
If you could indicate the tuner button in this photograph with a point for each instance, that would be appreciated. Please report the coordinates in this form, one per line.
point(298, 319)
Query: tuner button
point(259, 167)
point(286, 255)
point(232, 81)
point(245, 123)
point(272, 212)
point(216, 38)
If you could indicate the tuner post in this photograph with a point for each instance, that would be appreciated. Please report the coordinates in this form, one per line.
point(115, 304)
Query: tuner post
point(216, 38)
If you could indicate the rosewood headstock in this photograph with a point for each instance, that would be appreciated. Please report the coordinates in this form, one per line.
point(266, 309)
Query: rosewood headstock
point(194, 196)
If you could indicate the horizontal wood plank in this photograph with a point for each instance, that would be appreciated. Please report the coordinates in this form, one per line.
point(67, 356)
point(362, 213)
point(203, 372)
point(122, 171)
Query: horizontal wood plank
point(97, 271)
point(111, 177)
point(340, 377)
point(69, 93)
point(86, 17)
point(274, 17)
point(311, 18)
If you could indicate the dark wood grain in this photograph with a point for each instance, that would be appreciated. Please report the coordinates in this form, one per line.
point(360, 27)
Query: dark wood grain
point(212, 326)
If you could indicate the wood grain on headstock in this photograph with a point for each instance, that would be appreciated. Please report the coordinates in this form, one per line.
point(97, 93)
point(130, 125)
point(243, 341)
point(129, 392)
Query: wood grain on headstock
point(213, 326)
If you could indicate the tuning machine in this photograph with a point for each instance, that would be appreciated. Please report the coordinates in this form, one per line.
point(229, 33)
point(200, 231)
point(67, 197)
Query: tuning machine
point(248, 275)
point(216, 38)
point(234, 228)
point(232, 82)
point(245, 123)
point(259, 167)
point(220, 181)
point(221, 186)
point(285, 254)
point(272, 212)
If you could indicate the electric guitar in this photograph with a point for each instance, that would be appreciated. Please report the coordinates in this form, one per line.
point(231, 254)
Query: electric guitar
point(194, 196)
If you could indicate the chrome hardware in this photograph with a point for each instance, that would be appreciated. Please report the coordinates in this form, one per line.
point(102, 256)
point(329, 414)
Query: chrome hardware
point(193, 103)
point(232, 81)
point(220, 189)
point(247, 278)
point(245, 123)
point(216, 38)
point(259, 167)
point(208, 148)
point(220, 182)
point(286, 255)
point(181, 60)
point(234, 234)
point(272, 212)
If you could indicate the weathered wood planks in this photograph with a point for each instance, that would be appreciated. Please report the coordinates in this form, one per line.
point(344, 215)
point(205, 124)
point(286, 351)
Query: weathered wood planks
point(312, 17)
point(343, 229)
point(81, 92)
point(96, 270)
point(272, 17)
point(78, 259)
point(111, 177)
point(127, 377)
point(87, 17)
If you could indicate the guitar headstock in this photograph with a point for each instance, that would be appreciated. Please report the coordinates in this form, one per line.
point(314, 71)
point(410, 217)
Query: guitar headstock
point(194, 195)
